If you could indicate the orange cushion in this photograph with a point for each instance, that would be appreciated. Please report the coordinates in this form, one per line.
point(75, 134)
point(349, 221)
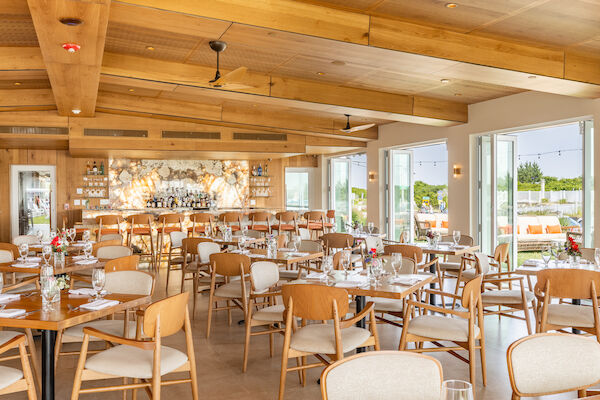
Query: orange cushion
point(534, 229)
point(506, 229)
point(259, 227)
point(432, 224)
point(139, 231)
point(197, 228)
point(444, 224)
point(284, 227)
point(553, 229)
point(169, 229)
point(106, 231)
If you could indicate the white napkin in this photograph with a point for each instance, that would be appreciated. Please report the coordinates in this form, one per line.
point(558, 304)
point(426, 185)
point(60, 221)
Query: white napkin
point(348, 284)
point(253, 255)
point(85, 292)
point(33, 259)
point(26, 265)
point(11, 312)
point(86, 262)
point(100, 304)
point(6, 297)
point(298, 254)
point(407, 279)
point(531, 263)
point(315, 275)
point(82, 257)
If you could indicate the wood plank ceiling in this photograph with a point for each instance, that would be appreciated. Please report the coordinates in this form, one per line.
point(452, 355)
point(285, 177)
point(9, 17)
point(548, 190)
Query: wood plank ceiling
point(309, 62)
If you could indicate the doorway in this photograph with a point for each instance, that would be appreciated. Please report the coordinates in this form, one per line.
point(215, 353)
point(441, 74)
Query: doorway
point(33, 199)
point(348, 190)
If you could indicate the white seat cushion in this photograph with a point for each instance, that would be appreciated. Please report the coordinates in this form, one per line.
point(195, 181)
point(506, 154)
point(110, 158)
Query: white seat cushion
point(441, 328)
point(289, 273)
point(113, 327)
point(449, 266)
point(131, 362)
point(384, 304)
point(570, 315)
point(271, 313)
point(468, 274)
point(8, 376)
point(319, 338)
point(5, 336)
point(354, 258)
point(505, 297)
point(232, 290)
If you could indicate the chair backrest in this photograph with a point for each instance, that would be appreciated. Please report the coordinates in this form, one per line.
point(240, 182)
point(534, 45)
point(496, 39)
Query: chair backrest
point(190, 245)
point(111, 252)
point(315, 217)
point(337, 241)
point(230, 217)
point(568, 283)
point(108, 220)
point(96, 246)
point(170, 219)
point(8, 252)
point(228, 264)
point(140, 219)
point(383, 375)
point(588, 253)
point(309, 246)
point(374, 242)
point(177, 239)
point(502, 253)
point(127, 263)
point(172, 311)
point(465, 240)
point(407, 250)
point(263, 275)
point(482, 262)
point(29, 239)
point(408, 265)
point(547, 363)
point(129, 282)
point(202, 218)
point(315, 302)
point(472, 290)
point(205, 249)
point(259, 216)
point(111, 237)
point(287, 216)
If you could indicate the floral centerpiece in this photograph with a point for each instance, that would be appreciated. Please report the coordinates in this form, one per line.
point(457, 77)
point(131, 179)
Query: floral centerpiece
point(58, 245)
point(62, 281)
point(371, 255)
point(572, 248)
point(432, 237)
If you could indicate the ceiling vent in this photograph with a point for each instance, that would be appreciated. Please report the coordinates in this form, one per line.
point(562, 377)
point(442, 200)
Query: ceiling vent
point(34, 130)
point(190, 135)
point(279, 137)
point(115, 132)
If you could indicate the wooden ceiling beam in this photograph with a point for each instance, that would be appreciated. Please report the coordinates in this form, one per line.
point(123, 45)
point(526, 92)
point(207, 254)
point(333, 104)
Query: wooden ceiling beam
point(484, 59)
point(74, 77)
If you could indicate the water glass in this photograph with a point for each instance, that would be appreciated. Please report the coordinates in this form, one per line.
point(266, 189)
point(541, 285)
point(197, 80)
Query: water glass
point(87, 249)
point(457, 390)
point(72, 233)
point(327, 267)
point(456, 237)
point(376, 270)
point(23, 251)
point(47, 253)
point(296, 241)
point(370, 227)
point(244, 230)
point(98, 281)
point(85, 236)
point(50, 292)
point(242, 243)
point(546, 255)
point(597, 257)
point(397, 263)
point(40, 235)
point(346, 261)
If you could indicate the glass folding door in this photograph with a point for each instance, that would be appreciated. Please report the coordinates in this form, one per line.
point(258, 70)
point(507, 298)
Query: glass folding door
point(340, 192)
point(400, 194)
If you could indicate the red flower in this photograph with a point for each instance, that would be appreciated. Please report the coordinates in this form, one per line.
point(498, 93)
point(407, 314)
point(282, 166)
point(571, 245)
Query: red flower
point(55, 241)
point(373, 250)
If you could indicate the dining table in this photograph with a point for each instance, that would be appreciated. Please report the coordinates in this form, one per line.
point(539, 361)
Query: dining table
point(72, 264)
point(286, 257)
point(60, 315)
point(250, 241)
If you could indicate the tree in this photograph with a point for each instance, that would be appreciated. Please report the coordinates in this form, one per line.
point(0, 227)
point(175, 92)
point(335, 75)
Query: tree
point(529, 172)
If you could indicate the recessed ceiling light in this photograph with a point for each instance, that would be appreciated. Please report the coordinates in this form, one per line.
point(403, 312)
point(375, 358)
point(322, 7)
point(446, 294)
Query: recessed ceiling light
point(132, 90)
point(149, 48)
point(458, 94)
point(76, 111)
point(451, 5)
point(17, 83)
point(71, 21)
point(444, 80)
point(338, 62)
point(532, 76)
point(320, 73)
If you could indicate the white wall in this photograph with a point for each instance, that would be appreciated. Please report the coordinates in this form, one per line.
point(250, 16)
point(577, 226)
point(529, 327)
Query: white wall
point(507, 113)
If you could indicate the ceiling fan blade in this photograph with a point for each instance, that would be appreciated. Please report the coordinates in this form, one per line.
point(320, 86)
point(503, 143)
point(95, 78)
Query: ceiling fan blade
point(357, 128)
point(232, 77)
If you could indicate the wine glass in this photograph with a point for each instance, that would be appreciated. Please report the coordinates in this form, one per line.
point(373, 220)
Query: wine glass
point(52, 234)
point(457, 390)
point(1, 282)
point(23, 251)
point(47, 253)
point(244, 230)
point(98, 281)
point(296, 241)
point(370, 227)
point(85, 236)
point(377, 270)
point(397, 263)
point(40, 235)
point(87, 250)
point(546, 255)
point(72, 233)
point(597, 257)
point(242, 243)
point(346, 261)
point(327, 267)
point(456, 237)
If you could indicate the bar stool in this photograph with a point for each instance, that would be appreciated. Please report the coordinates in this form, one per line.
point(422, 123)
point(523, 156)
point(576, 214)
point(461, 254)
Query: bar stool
point(108, 224)
point(200, 223)
point(260, 216)
point(315, 221)
point(167, 223)
point(141, 225)
point(232, 218)
point(287, 221)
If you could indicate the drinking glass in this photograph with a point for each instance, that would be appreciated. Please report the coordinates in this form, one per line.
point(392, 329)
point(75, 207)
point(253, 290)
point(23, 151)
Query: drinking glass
point(47, 253)
point(52, 235)
point(456, 237)
point(346, 261)
point(1, 282)
point(85, 236)
point(546, 255)
point(457, 390)
point(370, 227)
point(597, 257)
point(242, 243)
point(397, 263)
point(40, 235)
point(49, 289)
point(23, 251)
point(87, 249)
point(296, 241)
point(244, 230)
point(376, 270)
point(98, 281)
point(327, 267)
point(72, 233)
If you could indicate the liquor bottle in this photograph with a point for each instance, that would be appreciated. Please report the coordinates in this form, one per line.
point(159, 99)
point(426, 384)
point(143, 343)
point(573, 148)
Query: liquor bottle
point(259, 170)
point(102, 168)
point(148, 203)
point(266, 170)
point(88, 169)
point(254, 170)
point(95, 169)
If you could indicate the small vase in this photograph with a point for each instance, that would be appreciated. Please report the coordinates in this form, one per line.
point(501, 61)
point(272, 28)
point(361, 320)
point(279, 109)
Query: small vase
point(59, 259)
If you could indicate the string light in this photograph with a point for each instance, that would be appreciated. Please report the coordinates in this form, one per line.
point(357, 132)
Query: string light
point(557, 152)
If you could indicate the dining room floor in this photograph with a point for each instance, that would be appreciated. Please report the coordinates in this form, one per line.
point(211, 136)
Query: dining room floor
point(219, 360)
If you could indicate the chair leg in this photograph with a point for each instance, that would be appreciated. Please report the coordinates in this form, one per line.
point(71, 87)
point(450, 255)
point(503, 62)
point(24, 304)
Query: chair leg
point(79, 370)
point(195, 289)
point(247, 343)
point(31, 394)
point(210, 310)
point(229, 312)
point(271, 345)
point(527, 318)
point(283, 374)
point(472, 364)
point(35, 361)
point(483, 362)
point(57, 347)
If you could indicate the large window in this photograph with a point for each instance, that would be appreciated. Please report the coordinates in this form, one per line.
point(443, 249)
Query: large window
point(296, 189)
point(348, 185)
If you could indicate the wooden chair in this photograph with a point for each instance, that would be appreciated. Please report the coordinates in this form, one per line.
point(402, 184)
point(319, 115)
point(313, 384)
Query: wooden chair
point(287, 221)
point(502, 256)
point(123, 282)
point(552, 363)
point(484, 265)
point(127, 263)
point(202, 223)
point(29, 239)
point(108, 224)
point(146, 361)
point(196, 260)
point(450, 265)
point(320, 303)
point(140, 225)
point(13, 380)
point(175, 247)
point(98, 245)
point(232, 218)
point(107, 250)
point(563, 283)
point(111, 237)
point(235, 293)
point(167, 223)
point(415, 253)
point(314, 222)
point(464, 329)
point(330, 223)
point(260, 216)
point(335, 242)
point(384, 375)
point(111, 252)
point(18, 281)
point(263, 310)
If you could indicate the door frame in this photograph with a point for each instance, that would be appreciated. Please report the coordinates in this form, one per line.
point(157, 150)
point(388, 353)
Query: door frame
point(390, 193)
point(346, 161)
point(14, 201)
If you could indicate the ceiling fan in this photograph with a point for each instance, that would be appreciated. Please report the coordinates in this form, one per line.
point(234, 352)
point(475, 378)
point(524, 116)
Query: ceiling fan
point(348, 129)
point(231, 80)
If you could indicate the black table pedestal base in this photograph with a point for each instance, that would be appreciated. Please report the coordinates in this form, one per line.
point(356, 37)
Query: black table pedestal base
point(360, 304)
point(48, 342)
